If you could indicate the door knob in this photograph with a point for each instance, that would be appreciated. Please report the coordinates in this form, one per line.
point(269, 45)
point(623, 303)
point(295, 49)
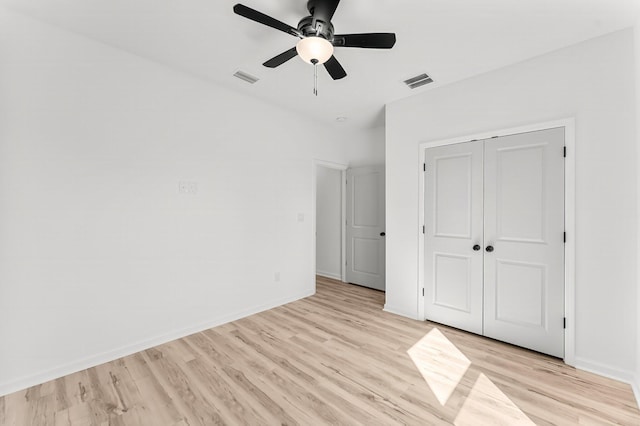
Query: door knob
point(476, 247)
point(382, 234)
point(489, 249)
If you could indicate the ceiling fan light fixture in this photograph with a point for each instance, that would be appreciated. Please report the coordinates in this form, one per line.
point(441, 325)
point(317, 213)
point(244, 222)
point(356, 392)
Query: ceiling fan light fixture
point(311, 49)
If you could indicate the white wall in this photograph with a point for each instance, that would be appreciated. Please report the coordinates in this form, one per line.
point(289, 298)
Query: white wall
point(593, 82)
point(637, 74)
point(99, 254)
point(329, 222)
point(366, 148)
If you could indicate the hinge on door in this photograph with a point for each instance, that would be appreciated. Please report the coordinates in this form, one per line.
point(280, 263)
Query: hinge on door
point(564, 237)
point(423, 229)
point(424, 167)
point(564, 322)
point(564, 152)
point(423, 292)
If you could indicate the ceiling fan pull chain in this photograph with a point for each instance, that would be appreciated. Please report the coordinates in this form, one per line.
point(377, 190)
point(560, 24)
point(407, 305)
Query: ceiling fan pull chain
point(315, 76)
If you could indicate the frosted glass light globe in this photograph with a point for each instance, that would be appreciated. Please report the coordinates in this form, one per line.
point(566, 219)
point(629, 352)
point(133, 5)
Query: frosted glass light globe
point(317, 48)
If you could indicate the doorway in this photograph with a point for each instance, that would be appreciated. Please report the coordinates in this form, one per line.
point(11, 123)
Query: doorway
point(349, 224)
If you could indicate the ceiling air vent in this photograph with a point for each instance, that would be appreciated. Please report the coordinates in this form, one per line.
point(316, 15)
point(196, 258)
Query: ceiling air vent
point(245, 77)
point(417, 81)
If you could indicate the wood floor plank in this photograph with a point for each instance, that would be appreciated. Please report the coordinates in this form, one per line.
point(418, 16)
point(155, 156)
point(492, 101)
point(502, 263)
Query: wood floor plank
point(3, 413)
point(304, 374)
point(189, 401)
point(332, 358)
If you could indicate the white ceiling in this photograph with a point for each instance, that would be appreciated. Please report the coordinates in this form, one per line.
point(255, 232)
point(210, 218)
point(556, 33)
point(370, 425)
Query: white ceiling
point(448, 39)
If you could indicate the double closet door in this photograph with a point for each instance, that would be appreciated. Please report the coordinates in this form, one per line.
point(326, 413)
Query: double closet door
point(494, 238)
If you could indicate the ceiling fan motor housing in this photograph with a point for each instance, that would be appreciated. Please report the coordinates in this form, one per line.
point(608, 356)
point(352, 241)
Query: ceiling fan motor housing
point(310, 27)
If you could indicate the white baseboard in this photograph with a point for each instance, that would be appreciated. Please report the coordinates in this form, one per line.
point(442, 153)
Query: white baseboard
point(92, 361)
point(636, 389)
point(610, 372)
point(605, 370)
point(401, 312)
point(329, 275)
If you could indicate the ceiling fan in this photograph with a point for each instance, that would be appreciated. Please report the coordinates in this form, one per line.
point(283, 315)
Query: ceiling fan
point(317, 38)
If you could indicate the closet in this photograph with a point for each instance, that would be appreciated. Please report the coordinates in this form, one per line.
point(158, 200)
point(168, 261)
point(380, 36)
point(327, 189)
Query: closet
point(494, 238)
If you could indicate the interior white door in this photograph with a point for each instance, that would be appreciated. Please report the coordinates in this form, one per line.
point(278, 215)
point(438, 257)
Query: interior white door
point(365, 227)
point(524, 240)
point(454, 235)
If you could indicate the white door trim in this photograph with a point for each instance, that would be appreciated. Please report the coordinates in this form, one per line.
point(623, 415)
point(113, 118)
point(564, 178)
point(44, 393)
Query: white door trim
point(569, 217)
point(343, 202)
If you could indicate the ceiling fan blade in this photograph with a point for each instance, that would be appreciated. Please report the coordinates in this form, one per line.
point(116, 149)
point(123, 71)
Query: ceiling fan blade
point(334, 68)
point(324, 9)
point(261, 18)
point(366, 40)
point(276, 61)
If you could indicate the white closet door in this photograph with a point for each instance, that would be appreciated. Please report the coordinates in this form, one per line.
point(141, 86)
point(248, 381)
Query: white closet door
point(453, 226)
point(365, 227)
point(524, 247)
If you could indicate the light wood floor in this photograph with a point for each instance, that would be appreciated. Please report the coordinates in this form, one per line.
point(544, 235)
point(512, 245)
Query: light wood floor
point(333, 358)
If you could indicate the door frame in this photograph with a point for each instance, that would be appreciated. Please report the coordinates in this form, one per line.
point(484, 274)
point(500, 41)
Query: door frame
point(343, 213)
point(569, 217)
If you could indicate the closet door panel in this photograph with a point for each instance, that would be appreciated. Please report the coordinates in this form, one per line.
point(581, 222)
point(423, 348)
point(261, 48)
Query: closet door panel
point(524, 226)
point(453, 225)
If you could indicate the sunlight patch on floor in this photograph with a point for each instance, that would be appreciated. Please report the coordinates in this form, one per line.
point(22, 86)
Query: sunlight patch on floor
point(486, 404)
point(441, 364)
